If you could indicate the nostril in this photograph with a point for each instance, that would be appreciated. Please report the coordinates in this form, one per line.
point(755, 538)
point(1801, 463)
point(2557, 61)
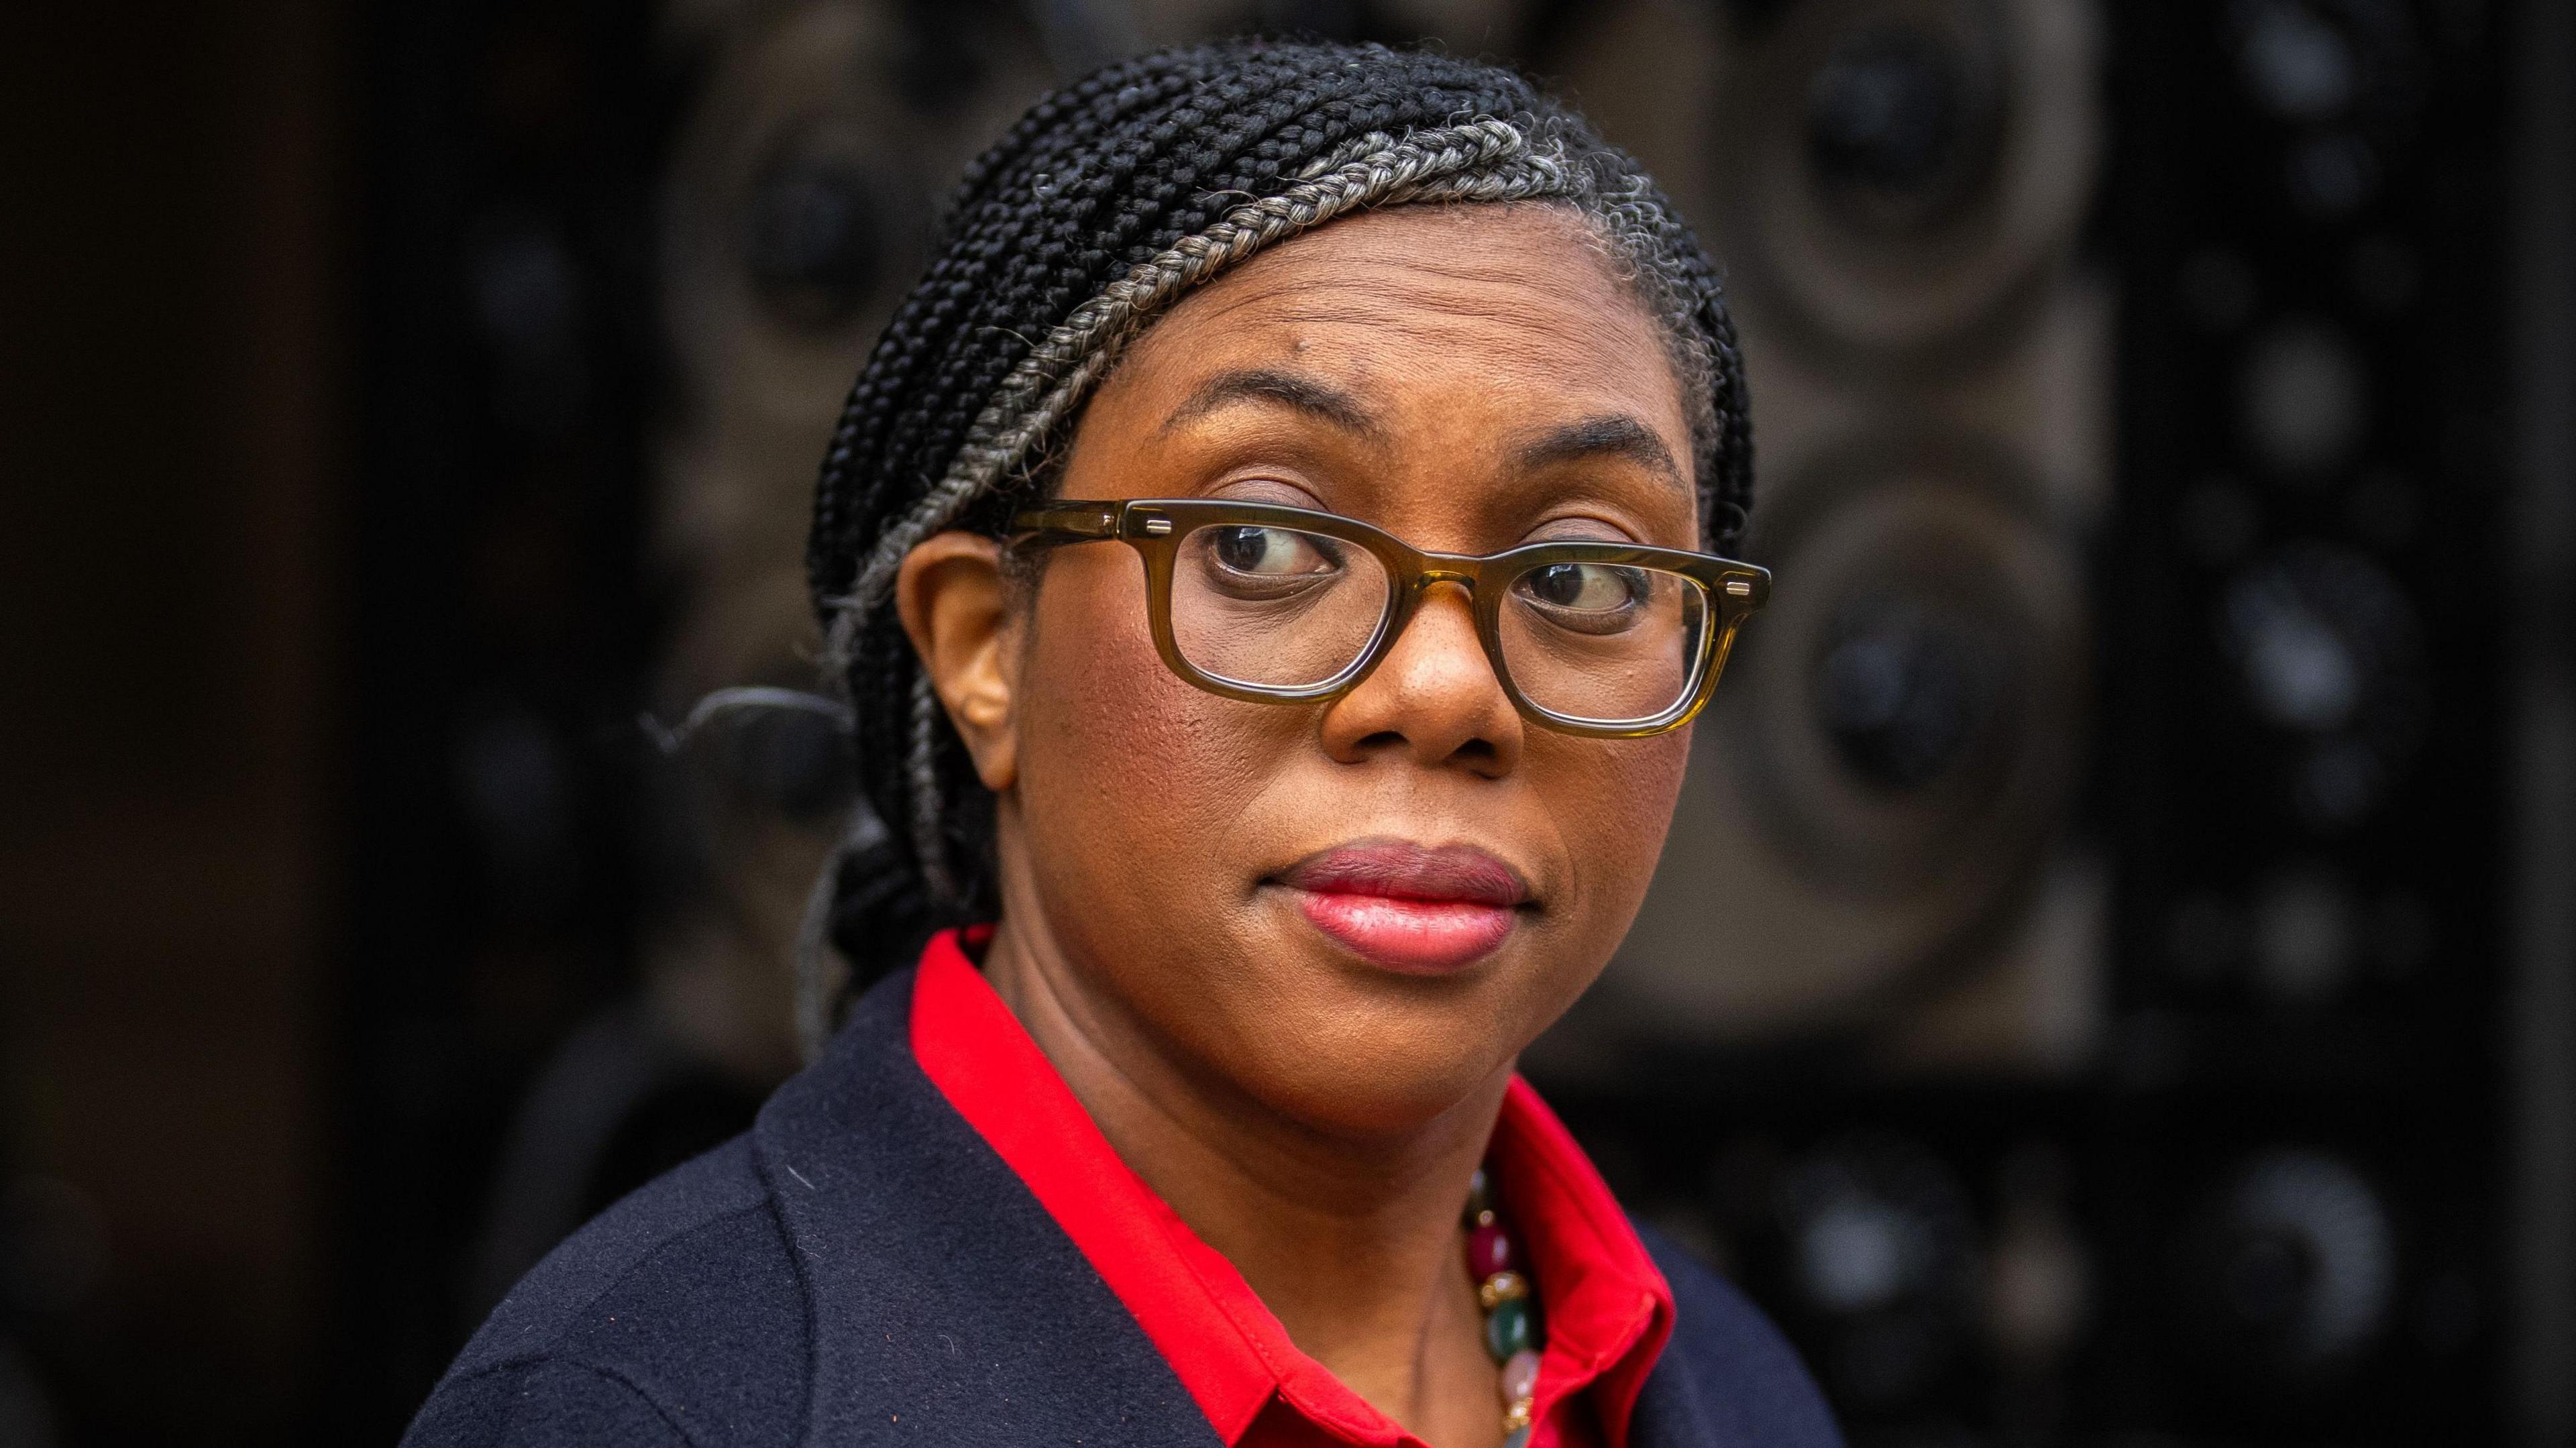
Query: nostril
point(1475, 750)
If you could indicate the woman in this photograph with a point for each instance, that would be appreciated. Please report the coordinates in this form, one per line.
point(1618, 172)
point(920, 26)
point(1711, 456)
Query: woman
point(1252, 868)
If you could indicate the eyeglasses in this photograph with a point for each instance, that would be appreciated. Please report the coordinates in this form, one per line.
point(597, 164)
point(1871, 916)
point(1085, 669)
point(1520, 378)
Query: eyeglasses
point(1285, 605)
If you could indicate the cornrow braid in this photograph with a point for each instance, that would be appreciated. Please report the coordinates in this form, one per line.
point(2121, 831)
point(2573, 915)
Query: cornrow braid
point(1104, 205)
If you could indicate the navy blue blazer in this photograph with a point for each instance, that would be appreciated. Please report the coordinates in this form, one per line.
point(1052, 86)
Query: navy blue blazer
point(862, 1268)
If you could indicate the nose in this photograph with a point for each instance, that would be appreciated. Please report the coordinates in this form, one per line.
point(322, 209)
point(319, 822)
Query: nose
point(1433, 698)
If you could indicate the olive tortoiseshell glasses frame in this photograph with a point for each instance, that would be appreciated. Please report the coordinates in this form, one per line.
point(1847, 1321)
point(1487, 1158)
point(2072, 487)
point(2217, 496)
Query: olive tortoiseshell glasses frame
point(1155, 527)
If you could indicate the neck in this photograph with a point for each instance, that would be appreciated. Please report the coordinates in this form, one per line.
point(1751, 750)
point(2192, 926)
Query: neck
point(1353, 1244)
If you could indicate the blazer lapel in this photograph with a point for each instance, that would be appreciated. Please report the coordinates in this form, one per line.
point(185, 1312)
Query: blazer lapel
point(947, 1305)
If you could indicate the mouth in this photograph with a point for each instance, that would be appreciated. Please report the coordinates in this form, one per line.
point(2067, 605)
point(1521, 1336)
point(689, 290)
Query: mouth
point(1408, 908)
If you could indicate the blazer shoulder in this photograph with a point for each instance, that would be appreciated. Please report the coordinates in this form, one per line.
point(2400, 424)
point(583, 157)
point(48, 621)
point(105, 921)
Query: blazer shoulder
point(1728, 1376)
point(683, 1298)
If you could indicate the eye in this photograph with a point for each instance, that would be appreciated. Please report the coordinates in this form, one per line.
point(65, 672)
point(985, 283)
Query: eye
point(1583, 588)
point(1275, 553)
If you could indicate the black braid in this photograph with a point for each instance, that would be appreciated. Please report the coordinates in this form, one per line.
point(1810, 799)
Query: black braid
point(1095, 211)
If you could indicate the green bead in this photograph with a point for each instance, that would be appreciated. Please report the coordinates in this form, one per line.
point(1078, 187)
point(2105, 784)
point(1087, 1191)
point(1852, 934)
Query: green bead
point(1508, 1329)
point(1519, 1439)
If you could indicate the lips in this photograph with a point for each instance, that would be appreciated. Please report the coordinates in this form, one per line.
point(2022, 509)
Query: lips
point(1407, 908)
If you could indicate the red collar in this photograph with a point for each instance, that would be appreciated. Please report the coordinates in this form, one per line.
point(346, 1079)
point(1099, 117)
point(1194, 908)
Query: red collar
point(1606, 1308)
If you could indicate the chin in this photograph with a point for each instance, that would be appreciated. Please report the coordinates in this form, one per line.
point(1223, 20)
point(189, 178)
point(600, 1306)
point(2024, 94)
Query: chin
point(1359, 1099)
point(1364, 1057)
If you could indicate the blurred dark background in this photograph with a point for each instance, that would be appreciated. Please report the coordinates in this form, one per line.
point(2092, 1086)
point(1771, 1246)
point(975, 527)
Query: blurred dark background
point(2114, 976)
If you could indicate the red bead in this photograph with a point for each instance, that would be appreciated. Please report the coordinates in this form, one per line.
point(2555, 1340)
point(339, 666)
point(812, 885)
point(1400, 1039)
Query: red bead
point(1489, 1251)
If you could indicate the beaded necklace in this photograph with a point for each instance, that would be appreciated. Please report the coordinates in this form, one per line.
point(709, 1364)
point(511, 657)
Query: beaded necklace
point(1511, 1318)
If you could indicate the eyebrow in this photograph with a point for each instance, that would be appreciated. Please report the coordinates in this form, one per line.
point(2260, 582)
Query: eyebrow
point(1611, 435)
point(1311, 396)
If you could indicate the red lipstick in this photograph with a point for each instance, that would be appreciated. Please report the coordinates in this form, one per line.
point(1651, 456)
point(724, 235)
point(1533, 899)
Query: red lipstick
point(1407, 908)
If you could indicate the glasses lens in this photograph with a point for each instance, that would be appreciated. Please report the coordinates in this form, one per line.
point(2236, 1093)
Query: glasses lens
point(1604, 643)
point(1275, 608)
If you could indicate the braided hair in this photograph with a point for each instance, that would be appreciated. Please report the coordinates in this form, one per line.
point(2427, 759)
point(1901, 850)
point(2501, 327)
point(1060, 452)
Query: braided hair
point(1099, 209)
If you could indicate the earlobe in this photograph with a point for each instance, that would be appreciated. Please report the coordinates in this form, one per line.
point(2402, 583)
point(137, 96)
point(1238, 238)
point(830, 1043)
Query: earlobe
point(955, 607)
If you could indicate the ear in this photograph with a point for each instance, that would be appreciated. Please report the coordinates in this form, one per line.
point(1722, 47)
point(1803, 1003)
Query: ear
point(955, 606)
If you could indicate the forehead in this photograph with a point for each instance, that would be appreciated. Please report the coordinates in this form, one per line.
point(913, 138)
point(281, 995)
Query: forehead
point(1491, 314)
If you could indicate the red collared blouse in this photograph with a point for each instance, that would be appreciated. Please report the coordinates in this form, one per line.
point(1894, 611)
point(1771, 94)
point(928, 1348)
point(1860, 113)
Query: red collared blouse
point(1606, 1308)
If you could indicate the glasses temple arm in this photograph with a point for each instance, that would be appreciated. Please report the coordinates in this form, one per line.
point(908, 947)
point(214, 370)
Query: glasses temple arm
point(1072, 520)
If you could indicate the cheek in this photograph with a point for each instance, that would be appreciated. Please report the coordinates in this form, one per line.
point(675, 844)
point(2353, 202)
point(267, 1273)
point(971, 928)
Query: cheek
point(1613, 801)
point(1118, 750)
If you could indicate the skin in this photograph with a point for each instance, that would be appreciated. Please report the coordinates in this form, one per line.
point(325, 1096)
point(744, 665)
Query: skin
point(1313, 1116)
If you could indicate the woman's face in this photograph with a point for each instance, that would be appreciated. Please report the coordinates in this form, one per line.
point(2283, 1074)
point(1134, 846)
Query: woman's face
point(1227, 878)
